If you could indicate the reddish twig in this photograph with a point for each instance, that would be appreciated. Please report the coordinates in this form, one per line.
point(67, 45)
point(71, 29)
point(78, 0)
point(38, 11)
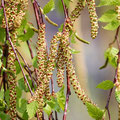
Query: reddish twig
point(67, 97)
point(56, 116)
point(115, 78)
point(26, 65)
point(9, 39)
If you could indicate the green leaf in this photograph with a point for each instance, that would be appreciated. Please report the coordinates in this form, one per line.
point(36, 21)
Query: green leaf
point(94, 111)
point(49, 7)
point(21, 105)
point(19, 92)
point(2, 35)
point(2, 94)
point(47, 109)
point(105, 85)
point(61, 98)
point(108, 2)
point(60, 29)
point(32, 108)
point(34, 62)
point(25, 116)
point(73, 51)
point(1, 15)
point(21, 84)
point(18, 69)
point(111, 54)
point(54, 104)
point(25, 32)
point(117, 95)
point(2, 105)
point(7, 97)
point(4, 116)
point(113, 25)
point(73, 38)
point(108, 16)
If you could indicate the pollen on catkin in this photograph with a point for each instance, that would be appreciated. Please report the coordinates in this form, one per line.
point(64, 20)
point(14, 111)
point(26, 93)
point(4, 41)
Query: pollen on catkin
point(93, 18)
point(12, 83)
point(60, 64)
point(77, 11)
point(51, 62)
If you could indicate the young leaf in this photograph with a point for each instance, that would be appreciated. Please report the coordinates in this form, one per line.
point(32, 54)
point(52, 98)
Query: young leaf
point(47, 109)
point(25, 116)
point(21, 84)
point(7, 97)
point(108, 16)
point(21, 105)
point(94, 111)
point(4, 116)
point(60, 29)
point(73, 37)
point(112, 25)
point(2, 105)
point(49, 7)
point(117, 96)
point(31, 109)
point(54, 104)
point(34, 62)
point(105, 85)
point(27, 35)
point(2, 94)
point(111, 54)
point(61, 98)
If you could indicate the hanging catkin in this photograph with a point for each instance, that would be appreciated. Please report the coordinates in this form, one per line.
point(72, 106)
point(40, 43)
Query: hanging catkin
point(93, 18)
point(60, 66)
point(69, 64)
point(41, 54)
point(14, 18)
point(12, 83)
point(77, 11)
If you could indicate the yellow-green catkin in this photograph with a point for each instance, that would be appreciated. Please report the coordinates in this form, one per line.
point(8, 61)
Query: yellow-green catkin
point(51, 62)
point(12, 83)
point(15, 12)
point(60, 64)
point(41, 54)
point(77, 11)
point(118, 12)
point(69, 65)
point(93, 18)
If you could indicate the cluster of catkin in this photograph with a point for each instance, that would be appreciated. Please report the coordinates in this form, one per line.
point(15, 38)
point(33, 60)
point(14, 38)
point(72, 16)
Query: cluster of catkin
point(60, 53)
point(15, 12)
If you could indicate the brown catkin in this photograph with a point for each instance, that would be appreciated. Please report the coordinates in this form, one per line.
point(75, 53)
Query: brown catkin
point(93, 18)
point(60, 66)
point(77, 11)
point(118, 12)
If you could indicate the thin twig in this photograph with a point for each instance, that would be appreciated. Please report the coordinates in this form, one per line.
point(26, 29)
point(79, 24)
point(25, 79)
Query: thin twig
point(56, 116)
point(65, 10)
point(9, 39)
point(67, 97)
point(29, 71)
point(115, 78)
